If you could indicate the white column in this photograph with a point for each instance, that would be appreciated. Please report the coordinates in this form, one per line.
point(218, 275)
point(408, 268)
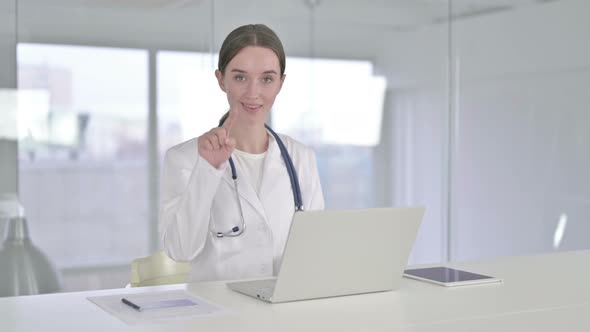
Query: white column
point(8, 147)
point(153, 156)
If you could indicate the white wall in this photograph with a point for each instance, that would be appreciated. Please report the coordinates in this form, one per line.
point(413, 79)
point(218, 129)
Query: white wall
point(523, 117)
point(520, 90)
point(190, 28)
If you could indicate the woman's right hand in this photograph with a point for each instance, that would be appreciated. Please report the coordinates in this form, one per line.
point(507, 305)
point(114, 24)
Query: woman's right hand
point(216, 145)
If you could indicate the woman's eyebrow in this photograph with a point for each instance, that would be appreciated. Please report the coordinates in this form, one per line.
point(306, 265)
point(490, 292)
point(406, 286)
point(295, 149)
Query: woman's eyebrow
point(271, 71)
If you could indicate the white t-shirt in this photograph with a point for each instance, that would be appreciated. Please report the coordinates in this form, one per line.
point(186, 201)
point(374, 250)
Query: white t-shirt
point(251, 165)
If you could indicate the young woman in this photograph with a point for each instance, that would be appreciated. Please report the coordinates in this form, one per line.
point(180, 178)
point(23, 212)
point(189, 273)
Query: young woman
point(228, 196)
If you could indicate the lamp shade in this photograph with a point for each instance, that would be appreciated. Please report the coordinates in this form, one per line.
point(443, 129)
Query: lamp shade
point(24, 269)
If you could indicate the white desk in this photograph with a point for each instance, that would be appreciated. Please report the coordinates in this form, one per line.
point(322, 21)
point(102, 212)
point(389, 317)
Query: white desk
point(540, 293)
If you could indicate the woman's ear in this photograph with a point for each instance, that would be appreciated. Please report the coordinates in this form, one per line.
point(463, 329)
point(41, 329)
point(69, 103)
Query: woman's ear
point(219, 77)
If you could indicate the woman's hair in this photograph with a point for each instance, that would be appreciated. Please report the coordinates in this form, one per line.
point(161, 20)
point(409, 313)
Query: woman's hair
point(250, 35)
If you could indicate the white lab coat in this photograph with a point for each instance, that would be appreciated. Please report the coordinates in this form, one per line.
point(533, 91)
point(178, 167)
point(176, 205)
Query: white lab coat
point(198, 200)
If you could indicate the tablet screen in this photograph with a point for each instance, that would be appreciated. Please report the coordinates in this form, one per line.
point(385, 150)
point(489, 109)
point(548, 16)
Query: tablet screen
point(445, 274)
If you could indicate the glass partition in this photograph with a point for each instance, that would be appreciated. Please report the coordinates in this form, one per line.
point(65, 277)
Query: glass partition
point(522, 149)
point(475, 110)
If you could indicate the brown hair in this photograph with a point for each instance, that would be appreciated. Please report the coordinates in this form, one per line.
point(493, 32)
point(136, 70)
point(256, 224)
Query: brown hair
point(250, 35)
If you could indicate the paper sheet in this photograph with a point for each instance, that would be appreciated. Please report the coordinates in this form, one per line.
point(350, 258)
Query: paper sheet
point(114, 306)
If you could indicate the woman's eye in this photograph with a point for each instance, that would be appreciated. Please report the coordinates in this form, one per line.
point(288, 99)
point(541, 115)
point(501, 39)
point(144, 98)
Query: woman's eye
point(240, 78)
point(267, 80)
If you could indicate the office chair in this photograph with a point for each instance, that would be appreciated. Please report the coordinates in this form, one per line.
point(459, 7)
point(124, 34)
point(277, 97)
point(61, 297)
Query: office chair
point(158, 269)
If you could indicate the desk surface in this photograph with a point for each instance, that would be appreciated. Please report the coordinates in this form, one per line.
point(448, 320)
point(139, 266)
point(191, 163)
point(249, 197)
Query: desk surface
point(539, 293)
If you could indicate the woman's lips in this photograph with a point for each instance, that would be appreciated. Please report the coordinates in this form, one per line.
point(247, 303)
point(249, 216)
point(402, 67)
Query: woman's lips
point(252, 107)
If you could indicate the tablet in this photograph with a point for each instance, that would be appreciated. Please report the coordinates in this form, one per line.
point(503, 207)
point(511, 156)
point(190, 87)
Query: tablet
point(446, 276)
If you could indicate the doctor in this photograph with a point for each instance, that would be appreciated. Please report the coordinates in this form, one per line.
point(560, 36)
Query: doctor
point(237, 228)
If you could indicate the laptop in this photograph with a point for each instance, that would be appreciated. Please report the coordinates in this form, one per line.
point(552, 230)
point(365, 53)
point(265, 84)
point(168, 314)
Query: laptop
point(340, 252)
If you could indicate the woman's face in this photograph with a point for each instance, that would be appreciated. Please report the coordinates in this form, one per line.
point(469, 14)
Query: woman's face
point(252, 81)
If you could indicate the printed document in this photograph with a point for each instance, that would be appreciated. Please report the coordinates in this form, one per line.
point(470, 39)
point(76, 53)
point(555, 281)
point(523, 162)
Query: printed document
point(140, 308)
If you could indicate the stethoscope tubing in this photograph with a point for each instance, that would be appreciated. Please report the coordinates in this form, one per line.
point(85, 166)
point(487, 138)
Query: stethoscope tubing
point(293, 178)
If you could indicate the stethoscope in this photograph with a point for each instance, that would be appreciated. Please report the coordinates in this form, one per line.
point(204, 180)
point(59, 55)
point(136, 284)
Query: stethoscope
point(236, 230)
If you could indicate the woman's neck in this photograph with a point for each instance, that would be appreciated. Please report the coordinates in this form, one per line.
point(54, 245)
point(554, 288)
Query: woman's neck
point(250, 139)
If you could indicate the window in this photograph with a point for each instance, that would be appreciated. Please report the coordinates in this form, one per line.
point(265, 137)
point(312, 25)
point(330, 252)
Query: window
point(342, 123)
point(189, 99)
point(83, 137)
point(83, 150)
point(336, 107)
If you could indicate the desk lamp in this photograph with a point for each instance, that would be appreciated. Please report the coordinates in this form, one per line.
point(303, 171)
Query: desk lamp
point(24, 269)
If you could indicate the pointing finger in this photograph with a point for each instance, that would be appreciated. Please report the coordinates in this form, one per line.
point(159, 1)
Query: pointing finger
point(230, 144)
point(229, 122)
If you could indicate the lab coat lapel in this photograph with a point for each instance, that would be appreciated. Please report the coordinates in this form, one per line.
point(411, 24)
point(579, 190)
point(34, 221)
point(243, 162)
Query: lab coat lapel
point(245, 188)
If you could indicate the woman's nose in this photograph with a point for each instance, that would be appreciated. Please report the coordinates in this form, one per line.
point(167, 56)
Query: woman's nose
point(253, 90)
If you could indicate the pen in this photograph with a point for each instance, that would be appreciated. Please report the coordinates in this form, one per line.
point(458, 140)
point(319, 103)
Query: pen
point(131, 304)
